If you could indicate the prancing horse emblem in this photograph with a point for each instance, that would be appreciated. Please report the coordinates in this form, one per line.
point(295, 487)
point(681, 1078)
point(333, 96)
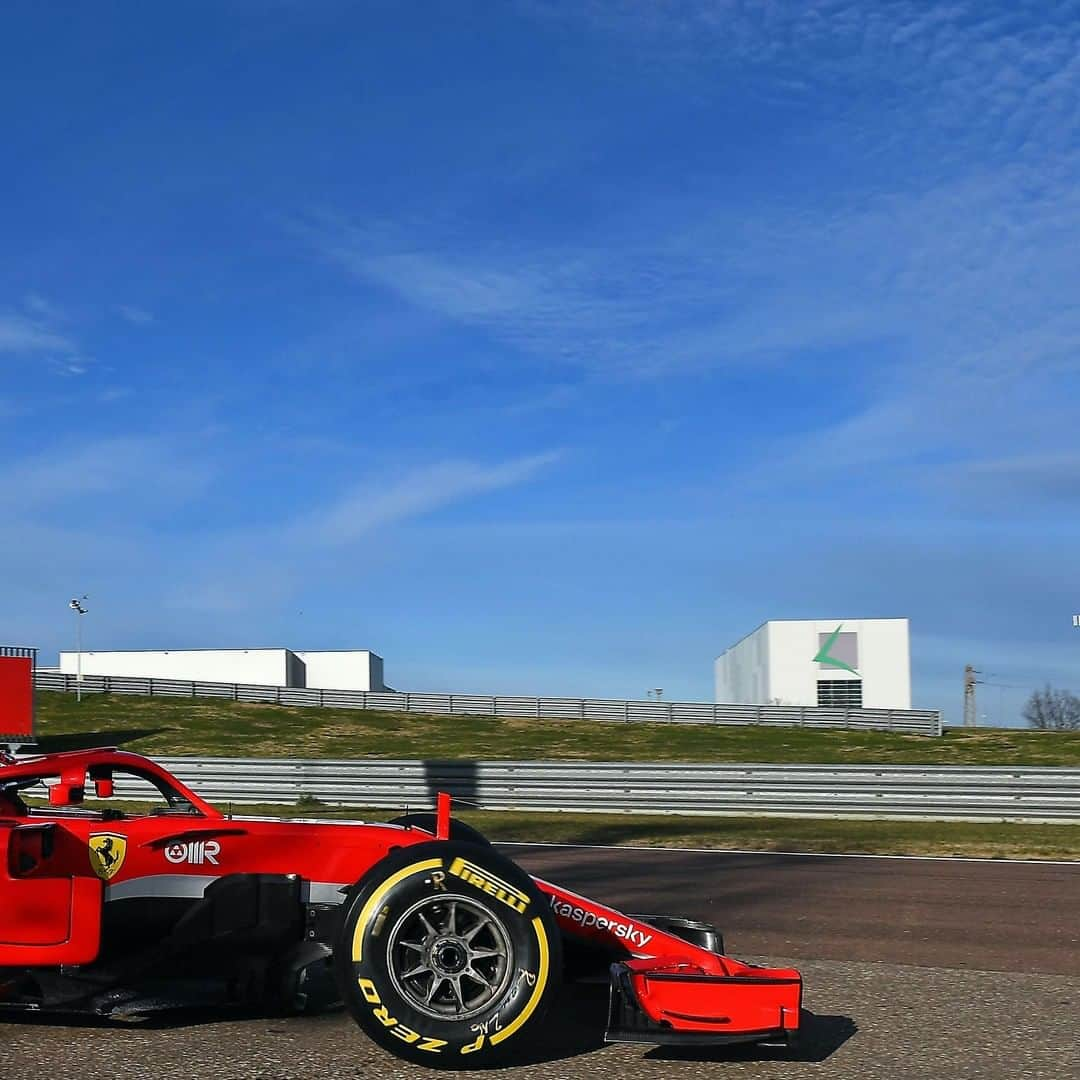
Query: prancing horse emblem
point(107, 851)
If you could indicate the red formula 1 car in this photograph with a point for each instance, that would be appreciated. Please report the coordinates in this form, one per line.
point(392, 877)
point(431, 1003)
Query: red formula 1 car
point(444, 951)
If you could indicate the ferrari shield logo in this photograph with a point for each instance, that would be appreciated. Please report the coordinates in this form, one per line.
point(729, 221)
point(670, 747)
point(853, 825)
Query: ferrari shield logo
point(107, 851)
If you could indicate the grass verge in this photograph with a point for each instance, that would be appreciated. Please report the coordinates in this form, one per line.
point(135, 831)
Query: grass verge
point(224, 728)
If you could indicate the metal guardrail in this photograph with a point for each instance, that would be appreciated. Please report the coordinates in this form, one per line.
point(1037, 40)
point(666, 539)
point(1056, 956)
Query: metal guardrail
point(902, 721)
point(885, 791)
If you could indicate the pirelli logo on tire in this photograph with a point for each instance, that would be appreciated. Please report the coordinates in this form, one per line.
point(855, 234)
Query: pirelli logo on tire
point(487, 882)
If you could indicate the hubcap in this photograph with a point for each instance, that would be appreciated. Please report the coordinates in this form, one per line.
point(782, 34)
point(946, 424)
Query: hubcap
point(449, 957)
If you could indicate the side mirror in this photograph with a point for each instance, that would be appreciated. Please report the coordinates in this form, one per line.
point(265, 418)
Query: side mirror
point(62, 794)
point(102, 776)
point(69, 790)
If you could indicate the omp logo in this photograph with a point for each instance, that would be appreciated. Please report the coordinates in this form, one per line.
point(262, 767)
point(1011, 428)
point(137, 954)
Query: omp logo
point(587, 920)
point(194, 852)
point(489, 883)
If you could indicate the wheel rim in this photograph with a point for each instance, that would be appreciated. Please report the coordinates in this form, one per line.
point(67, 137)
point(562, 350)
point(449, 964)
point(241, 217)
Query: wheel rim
point(449, 957)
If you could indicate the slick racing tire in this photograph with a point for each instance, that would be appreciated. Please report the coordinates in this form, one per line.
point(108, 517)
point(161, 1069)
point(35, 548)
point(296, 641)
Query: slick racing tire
point(458, 829)
point(449, 955)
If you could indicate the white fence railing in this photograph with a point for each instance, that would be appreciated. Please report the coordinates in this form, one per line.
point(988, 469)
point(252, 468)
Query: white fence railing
point(903, 721)
point(884, 791)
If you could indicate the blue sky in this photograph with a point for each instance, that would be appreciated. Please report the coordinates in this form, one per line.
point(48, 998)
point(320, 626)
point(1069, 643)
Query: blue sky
point(543, 347)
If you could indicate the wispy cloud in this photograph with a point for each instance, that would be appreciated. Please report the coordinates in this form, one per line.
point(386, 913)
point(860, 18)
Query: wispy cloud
point(966, 69)
point(136, 315)
point(70, 365)
point(593, 308)
point(1008, 483)
point(243, 570)
point(421, 491)
point(940, 273)
point(972, 275)
point(143, 469)
point(37, 330)
point(22, 334)
point(115, 393)
point(43, 307)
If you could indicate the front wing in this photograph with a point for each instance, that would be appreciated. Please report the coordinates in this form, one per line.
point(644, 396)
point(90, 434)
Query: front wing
point(670, 990)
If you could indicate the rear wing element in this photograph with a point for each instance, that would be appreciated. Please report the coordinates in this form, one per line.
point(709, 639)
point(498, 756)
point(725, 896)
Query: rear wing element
point(16, 696)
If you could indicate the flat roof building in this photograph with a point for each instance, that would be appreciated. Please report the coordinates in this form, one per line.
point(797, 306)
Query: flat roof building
point(339, 669)
point(833, 663)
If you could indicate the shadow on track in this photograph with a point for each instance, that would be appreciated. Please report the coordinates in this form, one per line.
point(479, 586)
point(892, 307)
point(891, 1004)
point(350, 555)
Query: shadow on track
point(166, 1018)
point(574, 1028)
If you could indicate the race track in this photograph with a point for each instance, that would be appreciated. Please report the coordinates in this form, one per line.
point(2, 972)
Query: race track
point(913, 968)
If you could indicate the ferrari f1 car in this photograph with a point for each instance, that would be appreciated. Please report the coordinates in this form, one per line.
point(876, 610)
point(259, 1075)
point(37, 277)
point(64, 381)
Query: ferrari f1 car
point(444, 951)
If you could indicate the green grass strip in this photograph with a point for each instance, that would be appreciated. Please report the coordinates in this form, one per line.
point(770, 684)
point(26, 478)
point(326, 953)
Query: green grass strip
point(225, 729)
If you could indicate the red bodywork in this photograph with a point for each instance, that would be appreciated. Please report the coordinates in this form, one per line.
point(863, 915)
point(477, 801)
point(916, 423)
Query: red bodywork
point(16, 697)
point(61, 864)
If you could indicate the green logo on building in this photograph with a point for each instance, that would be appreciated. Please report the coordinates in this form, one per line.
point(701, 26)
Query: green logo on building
point(824, 654)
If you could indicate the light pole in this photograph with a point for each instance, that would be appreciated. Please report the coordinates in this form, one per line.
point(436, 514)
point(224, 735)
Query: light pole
point(79, 611)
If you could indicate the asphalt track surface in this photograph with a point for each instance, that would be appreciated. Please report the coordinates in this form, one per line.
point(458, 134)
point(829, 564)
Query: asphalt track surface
point(913, 968)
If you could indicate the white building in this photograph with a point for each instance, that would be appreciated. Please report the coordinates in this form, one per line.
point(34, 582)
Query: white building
point(838, 663)
point(345, 669)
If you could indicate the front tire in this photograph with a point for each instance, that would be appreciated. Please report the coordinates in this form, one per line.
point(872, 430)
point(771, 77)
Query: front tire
point(449, 955)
